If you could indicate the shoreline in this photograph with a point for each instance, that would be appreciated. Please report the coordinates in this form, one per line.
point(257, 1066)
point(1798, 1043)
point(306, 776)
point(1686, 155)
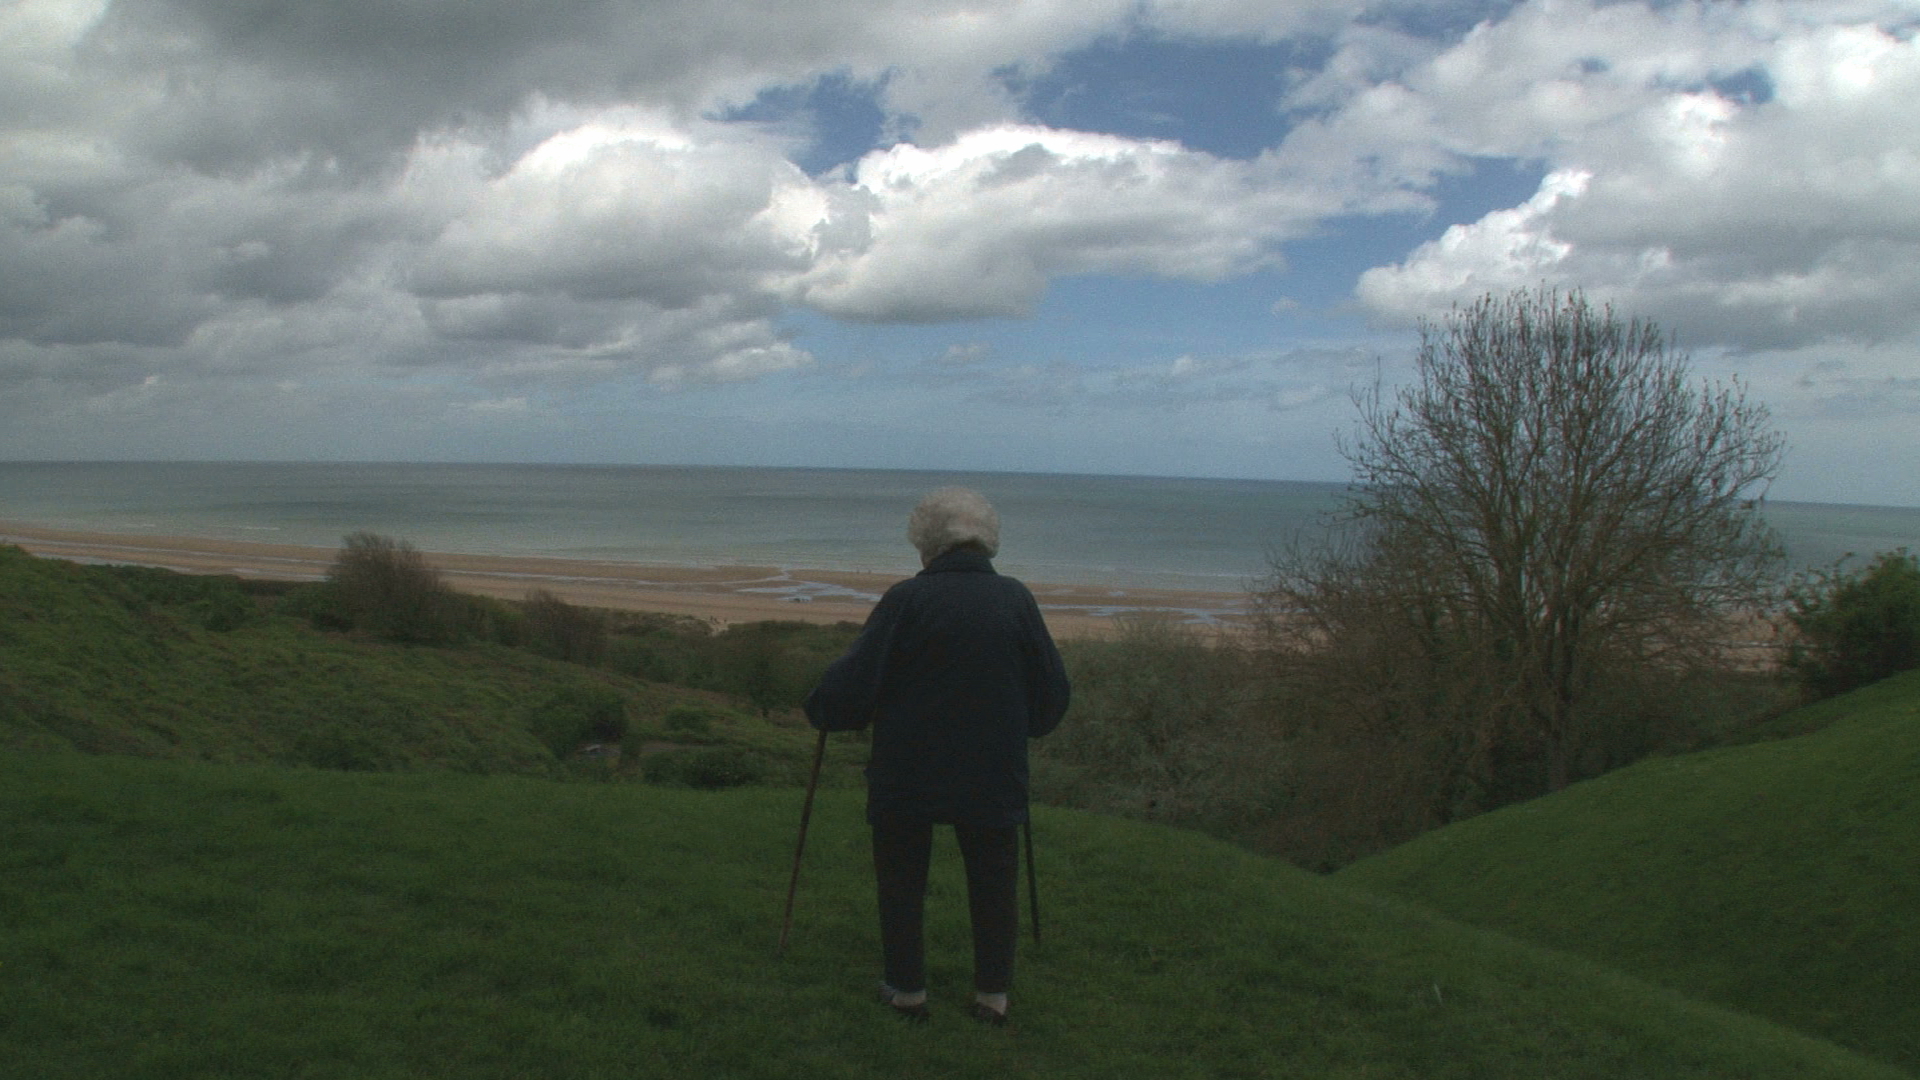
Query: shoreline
point(720, 594)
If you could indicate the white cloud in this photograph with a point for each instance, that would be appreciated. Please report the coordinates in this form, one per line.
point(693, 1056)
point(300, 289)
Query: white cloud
point(422, 213)
point(1758, 223)
point(1507, 249)
point(977, 227)
point(621, 206)
point(735, 365)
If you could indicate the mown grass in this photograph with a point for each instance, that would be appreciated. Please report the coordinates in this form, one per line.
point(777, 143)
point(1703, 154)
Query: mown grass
point(1781, 878)
point(185, 919)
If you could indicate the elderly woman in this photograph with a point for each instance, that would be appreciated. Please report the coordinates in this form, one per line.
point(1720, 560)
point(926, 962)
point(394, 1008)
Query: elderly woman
point(955, 671)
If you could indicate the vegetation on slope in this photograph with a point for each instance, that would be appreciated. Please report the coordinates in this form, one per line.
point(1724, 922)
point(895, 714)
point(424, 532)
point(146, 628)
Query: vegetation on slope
point(305, 917)
point(1855, 627)
point(1780, 878)
point(185, 919)
point(382, 667)
point(128, 660)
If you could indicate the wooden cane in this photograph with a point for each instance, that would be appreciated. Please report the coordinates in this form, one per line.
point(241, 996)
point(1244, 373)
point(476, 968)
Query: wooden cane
point(806, 814)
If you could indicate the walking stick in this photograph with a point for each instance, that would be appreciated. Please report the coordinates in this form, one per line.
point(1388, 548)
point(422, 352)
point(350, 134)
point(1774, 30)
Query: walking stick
point(806, 813)
point(1033, 885)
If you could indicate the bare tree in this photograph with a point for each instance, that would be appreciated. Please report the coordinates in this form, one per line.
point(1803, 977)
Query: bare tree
point(1550, 502)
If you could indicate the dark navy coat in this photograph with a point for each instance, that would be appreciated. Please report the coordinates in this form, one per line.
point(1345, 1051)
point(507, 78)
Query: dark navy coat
point(955, 671)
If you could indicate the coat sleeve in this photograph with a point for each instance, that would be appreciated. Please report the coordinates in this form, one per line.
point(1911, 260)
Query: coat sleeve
point(850, 688)
point(1049, 693)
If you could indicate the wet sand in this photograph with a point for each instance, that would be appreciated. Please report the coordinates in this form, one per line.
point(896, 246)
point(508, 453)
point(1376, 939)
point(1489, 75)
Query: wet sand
point(721, 594)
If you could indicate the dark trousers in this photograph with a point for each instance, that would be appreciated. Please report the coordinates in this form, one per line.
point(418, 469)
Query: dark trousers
point(902, 848)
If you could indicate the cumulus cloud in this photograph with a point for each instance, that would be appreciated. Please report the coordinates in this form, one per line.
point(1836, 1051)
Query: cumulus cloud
point(621, 207)
point(1742, 175)
point(245, 200)
point(630, 208)
point(977, 227)
point(532, 232)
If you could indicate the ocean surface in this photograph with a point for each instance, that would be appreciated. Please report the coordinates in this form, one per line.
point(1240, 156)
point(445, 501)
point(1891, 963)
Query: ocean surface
point(1140, 532)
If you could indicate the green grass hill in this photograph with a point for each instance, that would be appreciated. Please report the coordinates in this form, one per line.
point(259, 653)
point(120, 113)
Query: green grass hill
point(1780, 878)
point(157, 664)
point(129, 660)
point(169, 918)
point(233, 844)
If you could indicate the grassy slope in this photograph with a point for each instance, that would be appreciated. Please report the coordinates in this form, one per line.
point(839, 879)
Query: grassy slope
point(186, 919)
point(88, 663)
point(1781, 878)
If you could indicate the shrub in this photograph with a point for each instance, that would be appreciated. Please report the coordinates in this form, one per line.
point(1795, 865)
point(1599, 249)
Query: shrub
point(385, 586)
point(212, 602)
point(319, 604)
point(773, 664)
point(562, 631)
point(577, 715)
point(1160, 728)
point(488, 619)
point(1851, 629)
point(660, 648)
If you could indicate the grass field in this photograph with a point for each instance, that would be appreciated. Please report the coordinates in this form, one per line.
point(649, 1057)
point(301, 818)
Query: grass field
point(1780, 878)
point(191, 919)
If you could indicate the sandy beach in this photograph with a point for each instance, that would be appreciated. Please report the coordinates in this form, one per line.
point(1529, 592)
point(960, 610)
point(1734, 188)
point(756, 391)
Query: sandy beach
point(722, 594)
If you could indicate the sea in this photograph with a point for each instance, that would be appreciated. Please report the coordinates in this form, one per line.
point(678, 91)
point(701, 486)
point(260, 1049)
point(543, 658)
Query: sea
point(1121, 531)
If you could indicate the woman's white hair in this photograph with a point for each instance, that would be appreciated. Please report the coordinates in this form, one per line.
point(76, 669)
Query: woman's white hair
point(954, 517)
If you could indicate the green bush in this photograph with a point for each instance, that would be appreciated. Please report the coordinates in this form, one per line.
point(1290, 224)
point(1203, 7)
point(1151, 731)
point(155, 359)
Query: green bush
point(576, 715)
point(562, 631)
point(487, 619)
point(385, 586)
point(658, 647)
point(1161, 728)
point(774, 663)
point(319, 604)
point(211, 602)
point(1851, 629)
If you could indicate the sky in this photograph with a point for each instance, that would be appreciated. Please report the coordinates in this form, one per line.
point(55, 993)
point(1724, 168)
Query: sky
point(1165, 237)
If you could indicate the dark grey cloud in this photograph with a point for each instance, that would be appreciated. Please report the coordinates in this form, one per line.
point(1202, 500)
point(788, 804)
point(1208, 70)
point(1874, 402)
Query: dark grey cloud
point(240, 82)
point(77, 283)
point(237, 83)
